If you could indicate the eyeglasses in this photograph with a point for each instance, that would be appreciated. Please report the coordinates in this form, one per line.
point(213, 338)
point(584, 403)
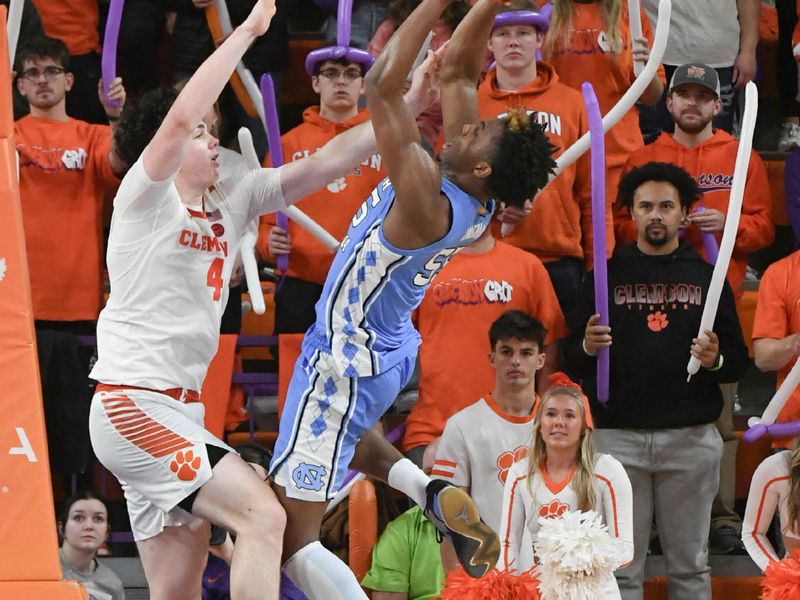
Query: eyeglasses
point(50, 73)
point(335, 74)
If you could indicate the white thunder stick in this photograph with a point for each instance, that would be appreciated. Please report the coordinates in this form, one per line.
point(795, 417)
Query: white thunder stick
point(778, 401)
point(635, 24)
point(294, 213)
point(731, 220)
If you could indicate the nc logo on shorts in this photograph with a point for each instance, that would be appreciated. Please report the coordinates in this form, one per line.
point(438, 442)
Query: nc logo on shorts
point(309, 477)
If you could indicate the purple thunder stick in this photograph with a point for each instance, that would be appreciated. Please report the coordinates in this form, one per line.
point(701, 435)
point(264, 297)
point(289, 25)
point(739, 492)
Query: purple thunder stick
point(275, 150)
point(108, 60)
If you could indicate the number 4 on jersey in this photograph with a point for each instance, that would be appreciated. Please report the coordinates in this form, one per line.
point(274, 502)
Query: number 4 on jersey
point(214, 278)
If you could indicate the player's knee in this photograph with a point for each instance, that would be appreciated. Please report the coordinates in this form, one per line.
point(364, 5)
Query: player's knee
point(264, 517)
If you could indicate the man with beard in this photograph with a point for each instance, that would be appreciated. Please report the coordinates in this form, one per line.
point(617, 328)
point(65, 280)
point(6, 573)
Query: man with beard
point(709, 155)
point(656, 423)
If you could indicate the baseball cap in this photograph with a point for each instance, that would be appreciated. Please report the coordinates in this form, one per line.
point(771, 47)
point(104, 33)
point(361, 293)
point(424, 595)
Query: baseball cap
point(697, 73)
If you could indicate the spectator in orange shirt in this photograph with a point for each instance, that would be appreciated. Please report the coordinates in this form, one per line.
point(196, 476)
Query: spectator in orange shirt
point(558, 229)
point(709, 155)
point(776, 329)
point(591, 41)
point(339, 84)
point(75, 22)
point(478, 285)
point(66, 167)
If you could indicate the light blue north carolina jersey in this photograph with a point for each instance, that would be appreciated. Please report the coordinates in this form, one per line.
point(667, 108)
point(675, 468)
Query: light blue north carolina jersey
point(364, 313)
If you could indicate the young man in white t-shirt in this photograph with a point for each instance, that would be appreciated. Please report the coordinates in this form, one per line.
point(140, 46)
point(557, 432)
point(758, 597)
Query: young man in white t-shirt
point(482, 442)
point(170, 255)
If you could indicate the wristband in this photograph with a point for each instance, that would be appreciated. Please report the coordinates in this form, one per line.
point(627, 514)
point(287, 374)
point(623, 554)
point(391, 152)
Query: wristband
point(717, 365)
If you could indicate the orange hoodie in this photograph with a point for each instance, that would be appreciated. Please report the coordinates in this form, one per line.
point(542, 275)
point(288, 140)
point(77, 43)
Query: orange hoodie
point(332, 207)
point(712, 164)
point(560, 224)
point(587, 57)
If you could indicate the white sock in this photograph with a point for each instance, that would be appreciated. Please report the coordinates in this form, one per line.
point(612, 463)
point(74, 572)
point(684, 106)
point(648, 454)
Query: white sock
point(408, 478)
point(320, 575)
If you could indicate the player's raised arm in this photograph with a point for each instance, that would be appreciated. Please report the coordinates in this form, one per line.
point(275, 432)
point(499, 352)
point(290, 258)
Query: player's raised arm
point(344, 152)
point(462, 65)
point(414, 175)
point(165, 153)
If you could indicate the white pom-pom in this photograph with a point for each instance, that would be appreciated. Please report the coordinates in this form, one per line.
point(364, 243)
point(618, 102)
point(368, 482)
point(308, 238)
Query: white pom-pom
point(577, 557)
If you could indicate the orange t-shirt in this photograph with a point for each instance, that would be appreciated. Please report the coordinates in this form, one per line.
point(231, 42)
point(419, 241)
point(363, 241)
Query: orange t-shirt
point(588, 57)
point(468, 294)
point(64, 175)
point(712, 164)
point(74, 22)
point(560, 224)
point(332, 207)
point(778, 315)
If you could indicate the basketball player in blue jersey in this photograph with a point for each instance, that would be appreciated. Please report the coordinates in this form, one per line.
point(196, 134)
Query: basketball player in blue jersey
point(361, 351)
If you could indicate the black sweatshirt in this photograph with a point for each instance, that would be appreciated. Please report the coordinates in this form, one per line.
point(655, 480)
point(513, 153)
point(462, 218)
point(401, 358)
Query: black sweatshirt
point(655, 306)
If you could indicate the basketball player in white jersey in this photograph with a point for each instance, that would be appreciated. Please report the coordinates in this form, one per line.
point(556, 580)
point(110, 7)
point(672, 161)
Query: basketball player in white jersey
point(170, 256)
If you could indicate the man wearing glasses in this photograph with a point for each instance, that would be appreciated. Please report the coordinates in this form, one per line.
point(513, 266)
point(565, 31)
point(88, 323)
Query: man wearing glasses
point(66, 167)
point(339, 83)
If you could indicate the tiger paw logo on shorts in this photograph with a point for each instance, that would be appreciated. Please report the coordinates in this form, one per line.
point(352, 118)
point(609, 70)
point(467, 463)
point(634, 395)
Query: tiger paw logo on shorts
point(507, 459)
point(553, 510)
point(185, 465)
point(657, 321)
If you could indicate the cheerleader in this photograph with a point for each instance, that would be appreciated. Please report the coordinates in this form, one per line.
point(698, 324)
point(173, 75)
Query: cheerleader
point(564, 473)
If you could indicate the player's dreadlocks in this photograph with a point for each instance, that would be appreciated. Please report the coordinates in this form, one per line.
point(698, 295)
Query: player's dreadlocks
point(523, 161)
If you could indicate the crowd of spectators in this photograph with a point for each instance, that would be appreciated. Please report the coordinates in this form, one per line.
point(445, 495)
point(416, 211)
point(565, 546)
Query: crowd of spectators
point(527, 283)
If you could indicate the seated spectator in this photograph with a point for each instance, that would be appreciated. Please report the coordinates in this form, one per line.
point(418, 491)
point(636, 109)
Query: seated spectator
point(563, 472)
point(84, 526)
point(339, 83)
point(776, 330)
point(483, 441)
point(773, 489)
point(479, 284)
point(406, 564)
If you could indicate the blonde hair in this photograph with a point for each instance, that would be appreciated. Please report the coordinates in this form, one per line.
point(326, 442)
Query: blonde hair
point(583, 480)
point(794, 489)
point(561, 23)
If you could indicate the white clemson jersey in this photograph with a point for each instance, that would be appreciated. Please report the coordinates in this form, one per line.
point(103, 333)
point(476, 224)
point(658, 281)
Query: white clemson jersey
point(478, 447)
point(169, 268)
point(523, 504)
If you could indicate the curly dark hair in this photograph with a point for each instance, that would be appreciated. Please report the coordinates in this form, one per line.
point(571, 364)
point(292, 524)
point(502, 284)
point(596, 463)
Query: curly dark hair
point(139, 122)
point(515, 324)
point(688, 191)
point(523, 161)
point(42, 47)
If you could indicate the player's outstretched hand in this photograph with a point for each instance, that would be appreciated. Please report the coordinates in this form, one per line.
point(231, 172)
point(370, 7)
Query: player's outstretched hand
point(259, 18)
point(424, 90)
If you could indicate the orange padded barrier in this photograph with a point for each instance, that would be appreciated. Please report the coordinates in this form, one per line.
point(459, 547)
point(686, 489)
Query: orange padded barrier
point(262, 438)
point(362, 526)
point(29, 565)
point(746, 309)
point(748, 456)
point(736, 588)
point(217, 385)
